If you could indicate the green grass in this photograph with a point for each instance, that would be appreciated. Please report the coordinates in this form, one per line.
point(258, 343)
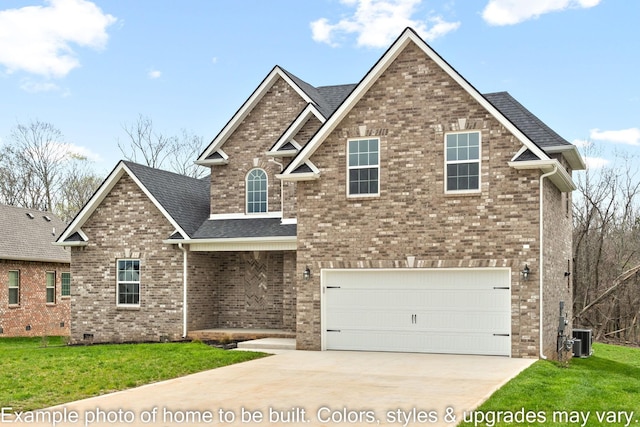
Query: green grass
point(609, 380)
point(33, 375)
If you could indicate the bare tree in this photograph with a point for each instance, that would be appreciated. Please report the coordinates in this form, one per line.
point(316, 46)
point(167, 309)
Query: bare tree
point(187, 148)
point(38, 171)
point(37, 155)
point(144, 144)
point(78, 186)
point(607, 250)
point(176, 153)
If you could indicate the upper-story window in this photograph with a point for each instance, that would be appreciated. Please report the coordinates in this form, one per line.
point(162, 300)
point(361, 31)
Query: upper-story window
point(363, 167)
point(462, 158)
point(256, 191)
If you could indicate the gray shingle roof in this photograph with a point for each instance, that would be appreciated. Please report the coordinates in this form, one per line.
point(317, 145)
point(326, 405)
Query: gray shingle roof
point(326, 98)
point(250, 227)
point(28, 235)
point(538, 132)
point(186, 199)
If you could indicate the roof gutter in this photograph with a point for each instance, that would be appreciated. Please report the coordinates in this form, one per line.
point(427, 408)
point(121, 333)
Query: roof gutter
point(559, 176)
point(541, 267)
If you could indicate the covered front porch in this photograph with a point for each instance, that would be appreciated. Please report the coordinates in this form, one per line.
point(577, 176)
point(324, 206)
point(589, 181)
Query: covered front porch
point(241, 295)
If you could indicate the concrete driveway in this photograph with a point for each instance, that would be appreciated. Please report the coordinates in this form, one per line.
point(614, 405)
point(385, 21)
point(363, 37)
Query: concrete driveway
point(305, 388)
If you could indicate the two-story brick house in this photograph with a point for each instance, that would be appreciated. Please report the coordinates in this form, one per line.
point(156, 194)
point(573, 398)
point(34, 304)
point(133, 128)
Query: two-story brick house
point(35, 281)
point(407, 212)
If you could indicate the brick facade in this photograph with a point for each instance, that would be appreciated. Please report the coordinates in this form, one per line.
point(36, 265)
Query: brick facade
point(127, 226)
point(33, 316)
point(247, 147)
point(410, 108)
point(557, 258)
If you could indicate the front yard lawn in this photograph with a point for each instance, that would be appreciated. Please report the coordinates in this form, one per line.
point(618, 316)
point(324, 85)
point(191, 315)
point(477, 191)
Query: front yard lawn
point(36, 374)
point(602, 390)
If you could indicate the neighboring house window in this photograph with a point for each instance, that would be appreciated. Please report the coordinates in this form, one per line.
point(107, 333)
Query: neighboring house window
point(65, 279)
point(51, 287)
point(256, 191)
point(463, 162)
point(14, 287)
point(364, 166)
point(129, 282)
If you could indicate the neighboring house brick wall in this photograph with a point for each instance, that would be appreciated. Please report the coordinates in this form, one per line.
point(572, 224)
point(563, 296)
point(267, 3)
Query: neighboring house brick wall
point(127, 225)
point(410, 107)
point(250, 141)
point(33, 310)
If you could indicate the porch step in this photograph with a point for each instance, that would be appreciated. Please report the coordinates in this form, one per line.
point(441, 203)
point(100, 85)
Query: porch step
point(238, 334)
point(268, 345)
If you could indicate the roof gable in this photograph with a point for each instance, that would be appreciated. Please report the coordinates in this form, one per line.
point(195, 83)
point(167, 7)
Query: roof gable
point(321, 101)
point(543, 136)
point(246, 108)
point(182, 200)
point(407, 37)
point(36, 244)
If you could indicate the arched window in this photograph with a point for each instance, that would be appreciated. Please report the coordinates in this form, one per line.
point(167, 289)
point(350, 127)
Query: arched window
point(256, 191)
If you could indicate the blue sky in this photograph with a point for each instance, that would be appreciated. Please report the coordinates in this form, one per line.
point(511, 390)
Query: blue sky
point(90, 67)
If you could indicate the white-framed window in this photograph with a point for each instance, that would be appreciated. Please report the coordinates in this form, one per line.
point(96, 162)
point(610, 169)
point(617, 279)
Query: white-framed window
point(128, 286)
point(256, 191)
point(462, 162)
point(51, 287)
point(65, 284)
point(14, 287)
point(363, 167)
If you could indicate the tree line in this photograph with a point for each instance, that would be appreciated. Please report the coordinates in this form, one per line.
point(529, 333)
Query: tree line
point(606, 250)
point(39, 170)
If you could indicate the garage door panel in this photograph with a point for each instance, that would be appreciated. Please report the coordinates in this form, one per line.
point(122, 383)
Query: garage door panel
point(435, 320)
point(403, 341)
point(443, 311)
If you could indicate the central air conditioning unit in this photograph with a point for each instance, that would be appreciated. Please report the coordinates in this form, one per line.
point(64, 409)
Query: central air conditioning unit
point(583, 340)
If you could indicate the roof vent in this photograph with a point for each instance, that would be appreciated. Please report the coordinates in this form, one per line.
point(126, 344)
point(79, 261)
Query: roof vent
point(46, 218)
point(30, 215)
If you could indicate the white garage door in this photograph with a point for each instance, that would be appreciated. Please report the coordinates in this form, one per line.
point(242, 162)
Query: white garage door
point(459, 311)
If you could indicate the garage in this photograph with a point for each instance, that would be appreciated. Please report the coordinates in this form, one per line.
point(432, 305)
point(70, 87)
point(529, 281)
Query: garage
point(457, 311)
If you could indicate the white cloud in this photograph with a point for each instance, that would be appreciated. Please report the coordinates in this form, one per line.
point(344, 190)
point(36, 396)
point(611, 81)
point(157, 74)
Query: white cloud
point(79, 151)
point(582, 143)
point(378, 22)
point(509, 12)
point(629, 136)
point(154, 74)
point(595, 162)
point(38, 39)
point(32, 86)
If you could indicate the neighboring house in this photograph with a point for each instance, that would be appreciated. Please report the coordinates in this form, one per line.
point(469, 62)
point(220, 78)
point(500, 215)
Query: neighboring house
point(35, 280)
point(397, 214)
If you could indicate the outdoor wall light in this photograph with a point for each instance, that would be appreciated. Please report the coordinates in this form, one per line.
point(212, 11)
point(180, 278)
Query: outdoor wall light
point(306, 274)
point(526, 272)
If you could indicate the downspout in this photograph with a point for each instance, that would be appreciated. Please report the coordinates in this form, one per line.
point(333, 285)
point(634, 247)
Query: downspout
point(184, 290)
point(541, 268)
